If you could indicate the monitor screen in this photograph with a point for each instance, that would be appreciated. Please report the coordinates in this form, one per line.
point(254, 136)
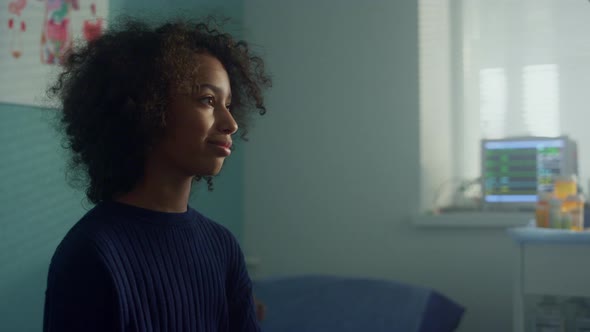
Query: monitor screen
point(515, 171)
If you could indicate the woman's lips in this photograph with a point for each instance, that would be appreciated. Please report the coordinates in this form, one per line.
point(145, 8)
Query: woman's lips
point(223, 147)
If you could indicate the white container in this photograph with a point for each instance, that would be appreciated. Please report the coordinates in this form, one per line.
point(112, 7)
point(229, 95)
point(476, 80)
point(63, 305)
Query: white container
point(548, 316)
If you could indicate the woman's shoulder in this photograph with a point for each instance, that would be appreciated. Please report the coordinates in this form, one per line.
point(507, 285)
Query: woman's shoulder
point(88, 226)
point(83, 241)
point(79, 238)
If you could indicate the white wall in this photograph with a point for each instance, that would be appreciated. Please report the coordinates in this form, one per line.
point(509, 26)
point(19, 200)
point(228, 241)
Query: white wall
point(332, 172)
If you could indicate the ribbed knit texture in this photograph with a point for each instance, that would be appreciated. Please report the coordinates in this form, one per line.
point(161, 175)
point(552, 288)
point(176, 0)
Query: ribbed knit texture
point(124, 268)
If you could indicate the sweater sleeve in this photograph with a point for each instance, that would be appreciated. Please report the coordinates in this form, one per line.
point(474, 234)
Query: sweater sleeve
point(242, 311)
point(80, 294)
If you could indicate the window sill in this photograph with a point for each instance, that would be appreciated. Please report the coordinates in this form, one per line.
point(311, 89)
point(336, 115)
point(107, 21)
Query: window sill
point(474, 220)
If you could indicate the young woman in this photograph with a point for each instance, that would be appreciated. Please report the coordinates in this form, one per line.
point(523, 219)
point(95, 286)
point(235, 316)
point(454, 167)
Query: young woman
point(145, 112)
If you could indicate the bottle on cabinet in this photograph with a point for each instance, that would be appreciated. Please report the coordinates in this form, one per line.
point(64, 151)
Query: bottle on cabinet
point(563, 208)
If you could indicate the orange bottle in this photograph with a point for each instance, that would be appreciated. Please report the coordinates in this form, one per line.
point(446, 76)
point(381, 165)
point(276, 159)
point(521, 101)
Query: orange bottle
point(565, 186)
point(542, 210)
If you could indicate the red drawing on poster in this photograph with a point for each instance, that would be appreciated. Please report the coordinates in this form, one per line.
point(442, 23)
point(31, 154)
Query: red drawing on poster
point(56, 37)
point(16, 39)
point(16, 7)
point(92, 28)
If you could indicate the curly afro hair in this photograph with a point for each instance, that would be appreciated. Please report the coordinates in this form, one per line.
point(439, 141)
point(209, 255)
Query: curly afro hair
point(114, 93)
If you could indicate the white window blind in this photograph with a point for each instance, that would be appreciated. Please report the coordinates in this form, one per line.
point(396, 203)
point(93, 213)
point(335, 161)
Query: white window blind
point(492, 102)
point(541, 100)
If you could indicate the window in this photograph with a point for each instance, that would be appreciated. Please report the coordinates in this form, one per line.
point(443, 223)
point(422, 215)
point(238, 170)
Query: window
point(512, 68)
point(540, 98)
point(492, 102)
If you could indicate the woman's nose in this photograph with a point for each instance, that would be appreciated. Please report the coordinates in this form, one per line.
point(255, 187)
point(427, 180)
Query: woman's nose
point(227, 123)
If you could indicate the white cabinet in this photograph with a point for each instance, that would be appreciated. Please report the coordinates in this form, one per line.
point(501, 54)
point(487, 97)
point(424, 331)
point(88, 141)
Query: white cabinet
point(549, 262)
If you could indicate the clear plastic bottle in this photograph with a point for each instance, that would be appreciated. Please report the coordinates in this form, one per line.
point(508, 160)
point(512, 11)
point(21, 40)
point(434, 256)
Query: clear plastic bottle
point(555, 215)
point(573, 208)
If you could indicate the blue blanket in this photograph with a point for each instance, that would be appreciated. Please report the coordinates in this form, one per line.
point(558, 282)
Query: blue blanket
point(326, 304)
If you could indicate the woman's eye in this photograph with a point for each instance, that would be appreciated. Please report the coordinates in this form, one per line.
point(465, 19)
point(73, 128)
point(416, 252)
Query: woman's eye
point(209, 101)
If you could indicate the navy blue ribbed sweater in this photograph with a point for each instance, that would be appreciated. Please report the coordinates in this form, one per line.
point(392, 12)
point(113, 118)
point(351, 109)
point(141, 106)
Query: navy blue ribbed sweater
point(124, 268)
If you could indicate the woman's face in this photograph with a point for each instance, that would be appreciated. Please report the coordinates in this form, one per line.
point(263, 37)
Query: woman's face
point(199, 124)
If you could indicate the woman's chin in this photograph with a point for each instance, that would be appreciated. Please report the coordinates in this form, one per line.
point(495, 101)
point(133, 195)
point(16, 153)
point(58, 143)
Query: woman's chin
point(211, 170)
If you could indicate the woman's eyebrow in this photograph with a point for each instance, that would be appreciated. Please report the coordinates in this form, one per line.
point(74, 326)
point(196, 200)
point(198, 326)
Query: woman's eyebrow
point(212, 87)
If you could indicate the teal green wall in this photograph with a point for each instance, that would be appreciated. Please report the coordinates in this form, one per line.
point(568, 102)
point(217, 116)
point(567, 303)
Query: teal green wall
point(37, 207)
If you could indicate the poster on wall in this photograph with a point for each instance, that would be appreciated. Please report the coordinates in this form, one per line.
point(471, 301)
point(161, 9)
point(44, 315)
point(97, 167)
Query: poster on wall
point(35, 35)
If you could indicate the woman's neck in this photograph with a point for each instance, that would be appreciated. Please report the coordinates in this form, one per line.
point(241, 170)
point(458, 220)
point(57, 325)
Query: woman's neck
point(160, 190)
point(158, 197)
